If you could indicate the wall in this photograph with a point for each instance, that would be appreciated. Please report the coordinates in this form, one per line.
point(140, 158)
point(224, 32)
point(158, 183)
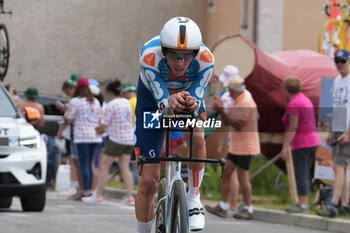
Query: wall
point(302, 24)
point(51, 39)
point(270, 25)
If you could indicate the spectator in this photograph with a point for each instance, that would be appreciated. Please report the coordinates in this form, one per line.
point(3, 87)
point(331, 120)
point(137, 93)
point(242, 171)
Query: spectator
point(117, 119)
point(65, 131)
point(84, 111)
point(301, 134)
point(228, 102)
point(32, 94)
point(243, 119)
point(338, 136)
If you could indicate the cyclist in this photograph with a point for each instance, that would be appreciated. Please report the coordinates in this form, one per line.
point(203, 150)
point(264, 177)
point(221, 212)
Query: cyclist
point(175, 70)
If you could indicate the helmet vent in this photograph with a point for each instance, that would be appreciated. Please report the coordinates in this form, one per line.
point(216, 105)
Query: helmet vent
point(182, 34)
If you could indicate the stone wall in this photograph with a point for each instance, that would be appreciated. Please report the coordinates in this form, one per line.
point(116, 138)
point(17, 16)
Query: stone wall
point(101, 39)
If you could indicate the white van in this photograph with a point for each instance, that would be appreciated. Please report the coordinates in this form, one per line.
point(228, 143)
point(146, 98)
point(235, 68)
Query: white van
point(23, 158)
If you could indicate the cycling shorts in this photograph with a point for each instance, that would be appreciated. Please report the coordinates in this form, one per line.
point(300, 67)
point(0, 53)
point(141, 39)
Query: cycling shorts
point(149, 142)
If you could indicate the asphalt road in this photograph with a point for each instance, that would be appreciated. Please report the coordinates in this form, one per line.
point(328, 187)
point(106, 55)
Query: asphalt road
point(68, 216)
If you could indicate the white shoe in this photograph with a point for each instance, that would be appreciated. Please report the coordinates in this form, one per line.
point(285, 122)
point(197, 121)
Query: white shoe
point(92, 199)
point(130, 201)
point(196, 214)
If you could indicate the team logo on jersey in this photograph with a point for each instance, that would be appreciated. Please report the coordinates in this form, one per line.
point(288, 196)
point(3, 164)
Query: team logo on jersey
point(151, 120)
point(90, 111)
point(150, 59)
point(206, 56)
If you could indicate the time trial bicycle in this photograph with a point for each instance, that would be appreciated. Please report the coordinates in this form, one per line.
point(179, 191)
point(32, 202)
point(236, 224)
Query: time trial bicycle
point(171, 212)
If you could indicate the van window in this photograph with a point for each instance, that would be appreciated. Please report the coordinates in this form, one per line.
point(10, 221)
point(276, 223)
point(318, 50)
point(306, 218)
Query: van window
point(7, 109)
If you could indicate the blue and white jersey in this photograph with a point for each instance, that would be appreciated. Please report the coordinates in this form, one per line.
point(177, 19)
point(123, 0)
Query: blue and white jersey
point(159, 79)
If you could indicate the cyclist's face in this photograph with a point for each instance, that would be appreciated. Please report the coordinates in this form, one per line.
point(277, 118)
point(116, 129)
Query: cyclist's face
point(179, 60)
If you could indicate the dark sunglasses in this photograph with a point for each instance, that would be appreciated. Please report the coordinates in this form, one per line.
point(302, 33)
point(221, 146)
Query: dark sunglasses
point(340, 61)
point(175, 56)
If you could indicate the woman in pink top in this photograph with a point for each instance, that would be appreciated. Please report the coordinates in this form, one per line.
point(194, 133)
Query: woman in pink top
point(301, 134)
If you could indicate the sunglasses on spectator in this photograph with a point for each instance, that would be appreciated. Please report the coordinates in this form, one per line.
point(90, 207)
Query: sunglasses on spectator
point(175, 56)
point(340, 61)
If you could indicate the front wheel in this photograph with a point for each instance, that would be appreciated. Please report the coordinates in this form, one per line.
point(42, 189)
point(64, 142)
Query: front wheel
point(160, 211)
point(35, 202)
point(179, 220)
point(329, 40)
point(5, 202)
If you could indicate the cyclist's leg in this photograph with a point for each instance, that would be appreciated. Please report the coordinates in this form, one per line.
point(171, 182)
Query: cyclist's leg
point(149, 144)
point(195, 175)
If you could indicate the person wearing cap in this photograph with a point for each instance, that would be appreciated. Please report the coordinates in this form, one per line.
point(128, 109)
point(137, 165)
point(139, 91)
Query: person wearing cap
point(301, 135)
point(338, 136)
point(85, 112)
point(228, 101)
point(242, 118)
point(65, 132)
point(129, 92)
point(31, 95)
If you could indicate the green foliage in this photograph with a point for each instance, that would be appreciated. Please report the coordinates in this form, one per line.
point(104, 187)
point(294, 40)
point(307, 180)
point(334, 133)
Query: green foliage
point(211, 184)
point(271, 182)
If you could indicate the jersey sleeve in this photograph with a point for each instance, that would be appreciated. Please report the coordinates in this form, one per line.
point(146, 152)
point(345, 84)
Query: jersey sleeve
point(206, 62)
point(149, 60)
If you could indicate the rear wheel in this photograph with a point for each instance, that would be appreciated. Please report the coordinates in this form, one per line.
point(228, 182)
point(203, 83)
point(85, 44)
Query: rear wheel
point(35, 202)
point(5, 202)
point(160, 212)
point(179, 221)
point(4, 51)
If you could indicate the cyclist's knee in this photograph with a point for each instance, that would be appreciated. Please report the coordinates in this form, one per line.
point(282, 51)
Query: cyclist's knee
point(149, 184)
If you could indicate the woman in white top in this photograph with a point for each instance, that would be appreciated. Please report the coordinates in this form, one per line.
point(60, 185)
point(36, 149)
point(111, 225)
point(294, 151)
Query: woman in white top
point(117, 121)
point(85, 112)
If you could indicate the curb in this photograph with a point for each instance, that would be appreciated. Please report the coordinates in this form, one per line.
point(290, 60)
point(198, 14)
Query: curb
point(273, 216)
point(302, 220)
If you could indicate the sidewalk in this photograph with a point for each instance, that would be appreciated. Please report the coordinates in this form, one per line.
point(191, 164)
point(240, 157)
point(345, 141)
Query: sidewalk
point(273, 216)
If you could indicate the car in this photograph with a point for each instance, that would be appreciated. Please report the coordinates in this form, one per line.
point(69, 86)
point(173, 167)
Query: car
point(23, 158)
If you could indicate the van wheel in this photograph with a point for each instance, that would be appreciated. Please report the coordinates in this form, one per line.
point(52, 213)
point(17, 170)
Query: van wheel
point(5, 202)
point(34, 203)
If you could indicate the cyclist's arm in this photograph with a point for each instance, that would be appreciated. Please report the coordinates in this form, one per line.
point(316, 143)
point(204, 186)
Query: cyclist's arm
point(199, 85)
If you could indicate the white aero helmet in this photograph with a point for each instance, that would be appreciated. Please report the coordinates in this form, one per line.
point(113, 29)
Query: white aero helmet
point(181, 33)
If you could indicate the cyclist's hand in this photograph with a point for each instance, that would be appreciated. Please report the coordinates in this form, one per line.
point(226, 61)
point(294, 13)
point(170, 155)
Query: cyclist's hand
point(191, 103)
point(177, 101)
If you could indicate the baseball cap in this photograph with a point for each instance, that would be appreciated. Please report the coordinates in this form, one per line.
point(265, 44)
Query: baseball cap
point(83, 82)
point(129, 87)
point(228, 72)
point(342, 54)
point(235, 83)
point(93, 82)
point(32, 93)
point(74, 78)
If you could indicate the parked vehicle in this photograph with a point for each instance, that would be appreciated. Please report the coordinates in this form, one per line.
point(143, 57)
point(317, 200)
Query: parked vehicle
point(23, 158)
